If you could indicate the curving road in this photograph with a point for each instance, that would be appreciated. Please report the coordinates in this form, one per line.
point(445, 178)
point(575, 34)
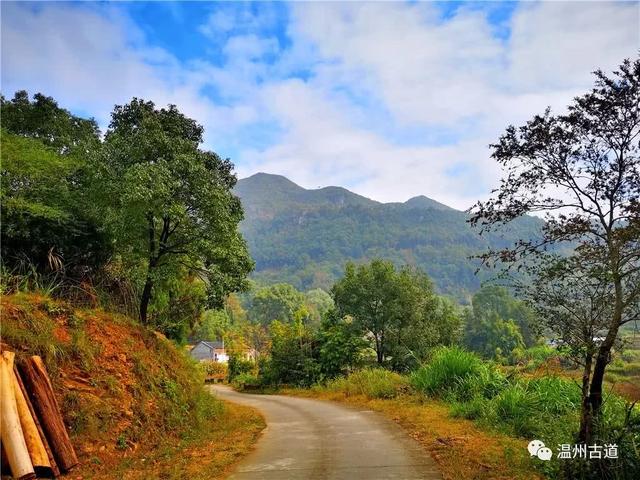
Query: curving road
point(314, 439)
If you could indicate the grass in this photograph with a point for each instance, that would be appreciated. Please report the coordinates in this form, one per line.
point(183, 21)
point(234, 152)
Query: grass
point(462, 449)
point(506, 411)
point(207, 453)
point(370, 382)
point(126, 392)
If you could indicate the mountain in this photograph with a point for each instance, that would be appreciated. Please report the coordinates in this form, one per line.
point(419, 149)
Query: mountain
point(304, 237)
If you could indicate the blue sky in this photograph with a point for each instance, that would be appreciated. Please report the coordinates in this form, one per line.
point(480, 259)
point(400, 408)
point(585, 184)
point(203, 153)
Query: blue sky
point(391, 100)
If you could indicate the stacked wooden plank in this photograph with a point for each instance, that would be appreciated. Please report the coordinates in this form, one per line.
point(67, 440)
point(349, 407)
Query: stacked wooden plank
point(35, 442)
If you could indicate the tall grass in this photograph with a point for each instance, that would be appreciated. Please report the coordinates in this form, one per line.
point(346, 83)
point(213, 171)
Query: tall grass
point(370, 382)
point(454, 372)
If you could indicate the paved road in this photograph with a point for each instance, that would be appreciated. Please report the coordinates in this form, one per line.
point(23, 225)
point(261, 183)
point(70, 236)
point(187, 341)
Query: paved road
point(313, 439)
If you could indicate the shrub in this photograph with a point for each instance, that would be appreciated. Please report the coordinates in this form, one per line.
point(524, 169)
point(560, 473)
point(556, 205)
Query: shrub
point(216, 370)
point(448, 367)
point(370, 382)
point(238, 366)
point(556, 396)
point(246, 380)
point(517, 409)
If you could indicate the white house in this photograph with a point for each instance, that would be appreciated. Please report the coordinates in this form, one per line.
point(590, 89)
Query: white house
point(209, 351)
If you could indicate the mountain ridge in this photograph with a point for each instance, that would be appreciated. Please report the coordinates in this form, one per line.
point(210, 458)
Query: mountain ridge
point(304, 237)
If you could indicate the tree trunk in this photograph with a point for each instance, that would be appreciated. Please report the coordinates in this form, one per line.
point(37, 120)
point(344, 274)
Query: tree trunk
point(604, 353)
point(148, 284)
point(584, 436)
point(146, 298)
point(46, 406)
point(379, 352)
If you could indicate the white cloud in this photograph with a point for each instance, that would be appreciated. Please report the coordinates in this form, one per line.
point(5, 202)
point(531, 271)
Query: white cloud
point(374, 73)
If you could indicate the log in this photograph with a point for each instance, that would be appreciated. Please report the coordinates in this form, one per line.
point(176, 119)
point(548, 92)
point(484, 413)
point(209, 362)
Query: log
point(35, 378)
point(12, 437)
point(35, 445)
point(4, 462)
point(55, 471)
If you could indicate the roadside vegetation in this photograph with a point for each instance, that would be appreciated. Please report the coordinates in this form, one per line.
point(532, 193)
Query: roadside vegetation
point(133, 401)
point(542, 366)
point(113, 247)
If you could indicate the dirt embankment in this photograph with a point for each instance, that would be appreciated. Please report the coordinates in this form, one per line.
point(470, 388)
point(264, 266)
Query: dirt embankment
point(134, 404)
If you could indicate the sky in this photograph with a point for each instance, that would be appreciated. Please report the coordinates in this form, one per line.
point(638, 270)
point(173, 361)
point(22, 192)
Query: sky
point(391, 100)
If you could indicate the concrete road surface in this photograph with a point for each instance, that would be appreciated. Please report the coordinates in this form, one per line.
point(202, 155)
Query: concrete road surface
point(314, 439)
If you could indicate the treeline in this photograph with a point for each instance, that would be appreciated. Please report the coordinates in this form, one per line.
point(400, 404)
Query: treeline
point(140, 219)
point(377, 314)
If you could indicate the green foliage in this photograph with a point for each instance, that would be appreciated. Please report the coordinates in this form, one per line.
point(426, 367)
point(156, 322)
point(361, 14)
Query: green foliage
point(305, 237)
point(498, 326)
point(341, 346)
point(397, 309)
point(44, 120)
point(217, 370)
point(145, 213)
point(370, 382)
point(275, 302)
point(167, 202)
point(45, 219)
point(213, 325)
point(239, 366)
point(293, 359)
point(318, 303)
point(545, 407)
point(246, 381)
point(446, 371)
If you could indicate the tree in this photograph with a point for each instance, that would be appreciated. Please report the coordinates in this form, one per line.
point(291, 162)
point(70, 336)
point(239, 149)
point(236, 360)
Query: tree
point(490, 335)
point(341, 345)
point(319, 303)
point(275, 302)
point(55, 127)
point(168, 203)
point(293, 357)
point(576, 307)
point(582, 171)
point(397, 310)
point(496, 320)
point(213, 325)
point(44, 216)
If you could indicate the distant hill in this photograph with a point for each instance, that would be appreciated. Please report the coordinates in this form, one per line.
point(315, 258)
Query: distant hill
point(304, 237)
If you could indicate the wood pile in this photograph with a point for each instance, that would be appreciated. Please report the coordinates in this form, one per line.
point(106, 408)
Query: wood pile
point(35, 442)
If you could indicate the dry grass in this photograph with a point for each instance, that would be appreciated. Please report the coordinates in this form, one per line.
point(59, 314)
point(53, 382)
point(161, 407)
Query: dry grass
point(210, 455)
point(134, 404)
point(461, 449)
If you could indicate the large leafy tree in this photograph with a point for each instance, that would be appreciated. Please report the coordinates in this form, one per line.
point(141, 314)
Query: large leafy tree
point(46, 219)
point(496, 320)
point(582, 171)
point(169, 203)
point(396, 309)
point(43, 119)
point(276, 302)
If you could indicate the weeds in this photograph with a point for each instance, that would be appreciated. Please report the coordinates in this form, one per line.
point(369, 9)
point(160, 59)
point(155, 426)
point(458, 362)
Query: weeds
point(370, 382)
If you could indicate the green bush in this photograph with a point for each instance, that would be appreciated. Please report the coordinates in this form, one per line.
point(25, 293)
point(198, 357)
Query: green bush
point(246, 380)
point(238, 366)
point(370, 382)
point(517, 409)
point(556, 396)
point(448, 367)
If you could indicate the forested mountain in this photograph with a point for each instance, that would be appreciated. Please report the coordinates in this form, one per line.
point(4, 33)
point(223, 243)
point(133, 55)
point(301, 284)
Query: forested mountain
point(304, 237)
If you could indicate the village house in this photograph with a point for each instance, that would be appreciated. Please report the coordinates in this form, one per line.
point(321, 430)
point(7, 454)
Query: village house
point(212, 351)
